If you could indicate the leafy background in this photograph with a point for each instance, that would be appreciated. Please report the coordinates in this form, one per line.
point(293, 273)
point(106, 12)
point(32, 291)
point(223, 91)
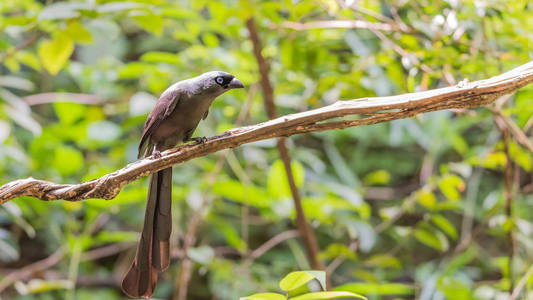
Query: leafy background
point(416, 208)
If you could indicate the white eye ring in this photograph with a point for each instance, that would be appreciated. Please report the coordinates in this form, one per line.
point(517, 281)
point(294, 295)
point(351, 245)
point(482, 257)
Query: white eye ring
point(219, 80)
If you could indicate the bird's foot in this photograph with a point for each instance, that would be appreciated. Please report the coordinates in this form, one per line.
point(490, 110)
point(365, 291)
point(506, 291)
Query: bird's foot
point(199, 139)
point(156, 154)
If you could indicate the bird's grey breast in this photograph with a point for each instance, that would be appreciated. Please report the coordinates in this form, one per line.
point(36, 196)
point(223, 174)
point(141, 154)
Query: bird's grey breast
point(185, 117)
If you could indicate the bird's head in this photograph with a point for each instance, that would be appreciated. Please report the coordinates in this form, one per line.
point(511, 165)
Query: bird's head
point(215, 83)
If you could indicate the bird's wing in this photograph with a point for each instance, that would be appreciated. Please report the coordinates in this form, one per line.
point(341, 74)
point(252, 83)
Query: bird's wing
point(164, 107)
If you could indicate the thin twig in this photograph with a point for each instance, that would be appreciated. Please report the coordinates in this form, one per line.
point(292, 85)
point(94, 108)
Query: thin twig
point(521, 283)
point(24, 45)
point(44, 98)
point(517, 133)
point(271, 243)
point(106, 251)
point(508, 173)
point(306, 232)
point(32, 268)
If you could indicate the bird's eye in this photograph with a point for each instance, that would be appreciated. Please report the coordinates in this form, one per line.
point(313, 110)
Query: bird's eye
point(219, 80)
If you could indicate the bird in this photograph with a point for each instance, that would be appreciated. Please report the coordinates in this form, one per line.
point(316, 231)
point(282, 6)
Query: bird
point(173, 120)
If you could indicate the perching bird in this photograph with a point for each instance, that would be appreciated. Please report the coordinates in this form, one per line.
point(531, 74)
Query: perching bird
point(173, 120)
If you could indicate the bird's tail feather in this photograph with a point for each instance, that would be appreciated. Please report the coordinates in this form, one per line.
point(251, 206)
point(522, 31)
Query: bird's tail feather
point(153, 252)
point(163, 222)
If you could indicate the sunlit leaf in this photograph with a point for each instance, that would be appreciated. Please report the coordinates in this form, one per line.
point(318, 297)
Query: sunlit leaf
point(277, 181)
point(384, 261)
point(367, 288)
point(151, 23)
point(67, 160)
point(328, 295)
point(295, 281)
point(377, 177)
point(451, 186)
point(55, 53)
point(161, 57)
point(433, 239)
point(264, 296)
point(78, 33)
point(69, 112)
point(444, 225)
point(427, 198)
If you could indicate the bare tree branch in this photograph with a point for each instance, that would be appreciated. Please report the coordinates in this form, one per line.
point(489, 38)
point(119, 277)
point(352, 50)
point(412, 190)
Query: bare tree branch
point(370, 111)
point(306, 232)
point(44, 98)
point(32, 268)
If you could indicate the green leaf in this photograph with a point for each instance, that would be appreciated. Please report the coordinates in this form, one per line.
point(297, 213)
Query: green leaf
point(494, 160)
point(134, 70)
point(367, 288)
point(520, 156)
point(277, 181)
point(295, 281)
point(232, 238)
point(384, 261)
point(12, 64)
point(76, 32)
point(451, 186)
point(444, 225)
point(434, 239)
point(454, 288)
point(264, 296)
point(427, 198)
point(29, 59)
point(55, 53)
point(115, 236)
point(36, 286)
point(69, 112)
point(210, 40)
point(67, 160)
point(151, 23)
point(161, 57)
point(237, 191)
point(377, 177)
point(328, 295)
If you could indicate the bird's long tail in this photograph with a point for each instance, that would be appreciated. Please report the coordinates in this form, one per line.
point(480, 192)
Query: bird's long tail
point(153, 253)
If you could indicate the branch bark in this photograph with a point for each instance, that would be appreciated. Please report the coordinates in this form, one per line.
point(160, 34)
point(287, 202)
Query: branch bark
point(306, 232)
point(370, 111)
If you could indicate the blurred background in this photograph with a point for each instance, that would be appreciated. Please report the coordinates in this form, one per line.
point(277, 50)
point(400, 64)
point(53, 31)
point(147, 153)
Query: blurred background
point(433, 207)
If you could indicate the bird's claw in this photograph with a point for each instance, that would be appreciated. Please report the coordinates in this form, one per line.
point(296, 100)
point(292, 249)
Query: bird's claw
point(199, 139)
point(156, 154)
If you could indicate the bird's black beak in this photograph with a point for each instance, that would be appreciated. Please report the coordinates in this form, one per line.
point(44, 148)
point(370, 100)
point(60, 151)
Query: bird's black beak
point(235, 84)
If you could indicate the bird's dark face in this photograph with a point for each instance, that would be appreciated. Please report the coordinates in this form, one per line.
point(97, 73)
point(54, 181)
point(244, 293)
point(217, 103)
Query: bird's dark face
point(217, 82)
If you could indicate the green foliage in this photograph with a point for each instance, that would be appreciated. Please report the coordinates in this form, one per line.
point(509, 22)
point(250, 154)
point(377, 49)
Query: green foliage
point(304, 285)
point(414, 208)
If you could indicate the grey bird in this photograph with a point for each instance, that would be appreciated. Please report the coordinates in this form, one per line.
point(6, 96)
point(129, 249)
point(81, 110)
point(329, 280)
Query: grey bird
point(173, 120)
